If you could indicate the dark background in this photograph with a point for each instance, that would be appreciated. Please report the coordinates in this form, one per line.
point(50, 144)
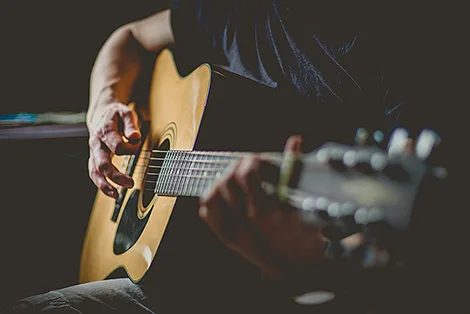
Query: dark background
point(47, 49)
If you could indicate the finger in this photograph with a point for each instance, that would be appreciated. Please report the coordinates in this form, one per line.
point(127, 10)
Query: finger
point(104, 166)
point(100, 181)
point(209, 211)
point(130, 121)
point(399, 142)
point(409, 147)
point(353, 241)
point(231, 192)
point(248, 177)
point(294, 144)
point(426, 142)
point(108, 133)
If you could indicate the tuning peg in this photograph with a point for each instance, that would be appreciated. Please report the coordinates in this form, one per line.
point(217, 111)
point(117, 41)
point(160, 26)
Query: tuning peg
point(361, 136)
point(378, 161)
point(378, 137)
point(367, 161)
point(426, 142)
point(439, 172)
point(365, 216)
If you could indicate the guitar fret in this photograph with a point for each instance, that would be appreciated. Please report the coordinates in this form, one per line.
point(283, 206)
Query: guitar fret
point(179, 174)
point(193, 175)
point(186, 173)
point(222, 166)
point(210, 180)
point(167, 173)
point(158, 186)
point(173, 170)
point(203, 174)
point(176, 172)
point(161, 175)
point(195, 188)
point(194, 166)
point(206, 174)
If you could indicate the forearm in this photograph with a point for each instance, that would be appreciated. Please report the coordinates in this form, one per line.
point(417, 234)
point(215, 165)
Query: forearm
point(115, 70)
point(119, 61)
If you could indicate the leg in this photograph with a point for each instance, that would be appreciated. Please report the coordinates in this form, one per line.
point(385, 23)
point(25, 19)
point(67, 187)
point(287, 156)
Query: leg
point(108, 296)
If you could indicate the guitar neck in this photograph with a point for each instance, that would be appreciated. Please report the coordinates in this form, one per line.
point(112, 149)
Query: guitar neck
point(191, 173)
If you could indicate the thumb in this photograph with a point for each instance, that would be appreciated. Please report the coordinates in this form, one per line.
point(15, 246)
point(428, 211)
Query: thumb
point(294, 144)
point(130, 122)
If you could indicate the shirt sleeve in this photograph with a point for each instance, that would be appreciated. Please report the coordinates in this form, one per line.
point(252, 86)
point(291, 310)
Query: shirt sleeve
point(238, 34)
point(198, 27)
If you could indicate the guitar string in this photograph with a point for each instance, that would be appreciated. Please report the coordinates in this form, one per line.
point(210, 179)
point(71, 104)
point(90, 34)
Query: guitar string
point(184, 159)
point(147, 164)
point(212, 153)
point(200, 161)
point(175, 167)
point(181, 176)
point(175, 175)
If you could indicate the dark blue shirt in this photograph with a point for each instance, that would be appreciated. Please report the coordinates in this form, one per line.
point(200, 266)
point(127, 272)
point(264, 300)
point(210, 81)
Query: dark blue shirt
point(360, 58)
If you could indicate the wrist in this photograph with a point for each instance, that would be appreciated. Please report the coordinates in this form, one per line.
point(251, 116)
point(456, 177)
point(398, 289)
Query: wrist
point(105, 99)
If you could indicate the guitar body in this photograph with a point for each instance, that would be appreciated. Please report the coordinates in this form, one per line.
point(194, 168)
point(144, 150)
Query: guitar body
point(215, 110)
point(209, 109)
point(175, 111)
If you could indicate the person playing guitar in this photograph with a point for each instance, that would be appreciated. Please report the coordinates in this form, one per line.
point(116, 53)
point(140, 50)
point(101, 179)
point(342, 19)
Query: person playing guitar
point(352, 67)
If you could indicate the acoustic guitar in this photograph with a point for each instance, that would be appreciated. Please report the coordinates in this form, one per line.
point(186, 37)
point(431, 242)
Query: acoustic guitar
point(195, 126)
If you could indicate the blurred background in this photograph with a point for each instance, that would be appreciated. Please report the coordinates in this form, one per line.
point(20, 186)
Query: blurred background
point(47, 49)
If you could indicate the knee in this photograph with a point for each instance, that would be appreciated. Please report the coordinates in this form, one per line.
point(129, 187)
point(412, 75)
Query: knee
point(43, 303)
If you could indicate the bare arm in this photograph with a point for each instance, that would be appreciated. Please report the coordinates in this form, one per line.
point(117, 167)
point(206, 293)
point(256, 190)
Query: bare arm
point(115, 70)
point(118, 62)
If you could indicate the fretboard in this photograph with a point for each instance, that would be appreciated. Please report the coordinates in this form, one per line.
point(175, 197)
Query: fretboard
point(188, 173)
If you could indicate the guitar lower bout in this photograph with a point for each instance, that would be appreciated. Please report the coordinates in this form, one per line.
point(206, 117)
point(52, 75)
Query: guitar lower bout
point(127, 235)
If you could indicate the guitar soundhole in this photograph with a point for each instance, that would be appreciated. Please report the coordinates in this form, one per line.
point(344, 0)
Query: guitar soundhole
point(154, 167)
point(130, 226)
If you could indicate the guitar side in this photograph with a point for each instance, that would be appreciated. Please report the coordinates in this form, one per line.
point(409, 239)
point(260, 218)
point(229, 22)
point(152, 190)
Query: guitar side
point(176, 107)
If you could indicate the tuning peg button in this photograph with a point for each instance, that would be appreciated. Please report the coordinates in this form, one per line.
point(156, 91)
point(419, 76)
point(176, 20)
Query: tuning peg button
point(378, 136)
point(347, 212)
point(366, 216)
point(361, 136)
point(361, 216)
point(348, 209)
point(350, 158)
point(334, 210)
point(378, 161)
point(375, 215)
point(324, 155)
point(322, 203)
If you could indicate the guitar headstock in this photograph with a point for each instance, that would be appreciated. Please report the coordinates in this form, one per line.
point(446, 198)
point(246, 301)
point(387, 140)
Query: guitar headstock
point(364, 184)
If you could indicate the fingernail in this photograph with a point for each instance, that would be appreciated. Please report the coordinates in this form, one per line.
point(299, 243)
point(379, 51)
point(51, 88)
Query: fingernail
point(130, 183)
point(203, 212)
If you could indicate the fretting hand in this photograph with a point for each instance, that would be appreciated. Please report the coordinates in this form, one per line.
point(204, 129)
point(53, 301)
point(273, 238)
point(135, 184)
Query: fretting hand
point(258, 226)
